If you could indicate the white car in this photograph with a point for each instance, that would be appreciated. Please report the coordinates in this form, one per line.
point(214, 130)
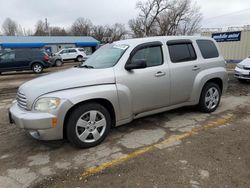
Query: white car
point(242, 70)
point(76, 54)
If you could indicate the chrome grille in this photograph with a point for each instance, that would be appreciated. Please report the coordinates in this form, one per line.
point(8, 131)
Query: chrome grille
point(21, 100)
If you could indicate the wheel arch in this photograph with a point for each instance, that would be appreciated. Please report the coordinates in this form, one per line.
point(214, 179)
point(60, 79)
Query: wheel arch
point(104, 102)
point(33, 62)
point(217, 81)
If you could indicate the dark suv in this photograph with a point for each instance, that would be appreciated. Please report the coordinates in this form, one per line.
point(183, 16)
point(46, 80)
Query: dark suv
point(18, 60)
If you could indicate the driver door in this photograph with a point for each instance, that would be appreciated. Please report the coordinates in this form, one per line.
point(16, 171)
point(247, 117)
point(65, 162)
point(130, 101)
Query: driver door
point(149, 87)
point(7, 61)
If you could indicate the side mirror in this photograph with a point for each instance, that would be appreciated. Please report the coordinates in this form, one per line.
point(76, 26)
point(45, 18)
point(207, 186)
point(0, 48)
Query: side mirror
point(137, 64)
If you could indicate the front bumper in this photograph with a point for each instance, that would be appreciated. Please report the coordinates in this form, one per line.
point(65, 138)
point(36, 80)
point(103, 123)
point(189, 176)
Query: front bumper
point(38, 124)
point(242, 74)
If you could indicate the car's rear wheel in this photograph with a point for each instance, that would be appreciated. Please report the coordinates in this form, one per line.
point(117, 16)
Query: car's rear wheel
point(79, 59)
point(37, 68)
point(58, 63)
point(88, 125)
point(210, 97)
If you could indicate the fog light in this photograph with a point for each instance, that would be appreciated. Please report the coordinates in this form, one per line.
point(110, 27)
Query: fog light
point(34, 134)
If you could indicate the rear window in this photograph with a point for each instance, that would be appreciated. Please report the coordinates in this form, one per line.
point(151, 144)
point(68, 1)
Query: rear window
point(181, 52)
point(208, 49)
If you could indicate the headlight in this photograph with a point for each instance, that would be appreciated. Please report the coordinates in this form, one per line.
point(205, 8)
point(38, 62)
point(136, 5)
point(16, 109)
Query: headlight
point(47, 104)
point(240, 66)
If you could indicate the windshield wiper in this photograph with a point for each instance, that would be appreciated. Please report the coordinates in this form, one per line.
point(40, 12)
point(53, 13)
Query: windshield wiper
point(87, 66)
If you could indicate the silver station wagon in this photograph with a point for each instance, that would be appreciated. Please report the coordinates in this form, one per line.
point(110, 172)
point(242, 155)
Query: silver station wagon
point(120, 82)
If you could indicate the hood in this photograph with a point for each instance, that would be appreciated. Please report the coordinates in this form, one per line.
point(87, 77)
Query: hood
point(245, 62)
point(71, 78)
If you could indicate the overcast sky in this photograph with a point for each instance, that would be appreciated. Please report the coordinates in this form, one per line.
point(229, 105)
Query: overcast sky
point(217, 13)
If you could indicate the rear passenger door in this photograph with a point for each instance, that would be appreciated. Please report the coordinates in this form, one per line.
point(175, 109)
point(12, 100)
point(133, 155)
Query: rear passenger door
point(23, 59)
point(184, 67)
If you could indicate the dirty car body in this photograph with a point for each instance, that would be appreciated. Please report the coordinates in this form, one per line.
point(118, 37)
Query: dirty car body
point(120, 82)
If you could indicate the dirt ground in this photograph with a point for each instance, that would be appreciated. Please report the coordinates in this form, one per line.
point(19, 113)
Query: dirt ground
point(157, 154)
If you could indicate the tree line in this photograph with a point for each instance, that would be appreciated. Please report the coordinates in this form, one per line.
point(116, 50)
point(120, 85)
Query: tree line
point(155, 18)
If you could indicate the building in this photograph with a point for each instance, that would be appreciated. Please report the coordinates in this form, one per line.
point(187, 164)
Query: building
point(49, 43)
point(234, 45)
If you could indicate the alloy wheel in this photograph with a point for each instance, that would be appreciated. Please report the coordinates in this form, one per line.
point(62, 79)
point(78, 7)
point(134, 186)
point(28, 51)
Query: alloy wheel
point(91, 126)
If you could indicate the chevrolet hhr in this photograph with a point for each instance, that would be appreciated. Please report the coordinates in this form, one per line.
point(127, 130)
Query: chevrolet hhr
point(122, 81)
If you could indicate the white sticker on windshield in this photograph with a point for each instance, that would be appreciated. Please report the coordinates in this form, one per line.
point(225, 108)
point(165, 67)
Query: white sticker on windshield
point(121, 46)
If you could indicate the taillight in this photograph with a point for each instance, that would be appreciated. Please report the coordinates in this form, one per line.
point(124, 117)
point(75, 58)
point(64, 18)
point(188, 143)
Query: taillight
point(46, 58)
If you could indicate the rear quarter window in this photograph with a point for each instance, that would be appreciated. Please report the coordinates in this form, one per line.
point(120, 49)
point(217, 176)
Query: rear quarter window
point(181, 52)
point(208, 49)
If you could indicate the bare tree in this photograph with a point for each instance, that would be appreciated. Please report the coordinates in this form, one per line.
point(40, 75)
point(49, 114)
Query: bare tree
point(149, 11)
point(99, 32)
point(81, 27)
point(116, 32)
point(9, 27)
point(191, 22)
point(183, 18)
point(41, 29)
point(170, 17)
point(57, 31)
point(28, 32)
point(109, 33)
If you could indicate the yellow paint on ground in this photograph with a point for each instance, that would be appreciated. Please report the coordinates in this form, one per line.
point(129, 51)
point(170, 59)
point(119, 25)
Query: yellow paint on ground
point(171, 140)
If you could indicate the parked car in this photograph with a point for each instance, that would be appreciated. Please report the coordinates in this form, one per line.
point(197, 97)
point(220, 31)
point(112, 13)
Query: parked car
point(2, 51)
point(76, 54)
point(56, 60)
point(242, 70)
point(120, 82)
point(18, 60)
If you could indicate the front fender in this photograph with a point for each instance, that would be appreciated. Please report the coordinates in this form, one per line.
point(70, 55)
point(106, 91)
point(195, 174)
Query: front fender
point(78, 95)
point(204, 76)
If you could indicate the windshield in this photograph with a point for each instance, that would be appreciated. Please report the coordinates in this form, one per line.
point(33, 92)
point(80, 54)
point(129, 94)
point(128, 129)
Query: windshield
point(105, 57)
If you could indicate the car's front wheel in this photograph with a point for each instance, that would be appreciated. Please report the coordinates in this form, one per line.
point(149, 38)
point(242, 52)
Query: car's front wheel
point(37, 68)
point(88, 125)
point(210, 97)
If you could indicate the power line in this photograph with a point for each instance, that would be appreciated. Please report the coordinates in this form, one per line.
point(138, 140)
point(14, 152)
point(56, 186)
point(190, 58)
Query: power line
point(232, 13)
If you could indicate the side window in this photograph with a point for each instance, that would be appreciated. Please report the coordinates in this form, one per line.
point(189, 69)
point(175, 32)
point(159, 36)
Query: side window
point(8, 56)
point(208, 49)
point(153, 56)
point(72, 51)
point(22, 55)
point(181, 52)
point(81, 50)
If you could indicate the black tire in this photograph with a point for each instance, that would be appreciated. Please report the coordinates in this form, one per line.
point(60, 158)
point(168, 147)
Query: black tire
point(37, 68)
point(79, 58)
point(203, 105)
point(73, 131)
point(58, 63)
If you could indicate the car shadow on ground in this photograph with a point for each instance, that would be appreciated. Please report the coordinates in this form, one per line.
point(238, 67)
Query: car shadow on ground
point(145, 123)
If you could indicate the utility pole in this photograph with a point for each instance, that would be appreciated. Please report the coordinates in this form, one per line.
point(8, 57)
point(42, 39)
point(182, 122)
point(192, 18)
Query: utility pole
point(47, 27)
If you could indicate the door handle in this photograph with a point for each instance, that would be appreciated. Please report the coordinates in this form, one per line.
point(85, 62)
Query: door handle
point(195, 68)
point(160, 73)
